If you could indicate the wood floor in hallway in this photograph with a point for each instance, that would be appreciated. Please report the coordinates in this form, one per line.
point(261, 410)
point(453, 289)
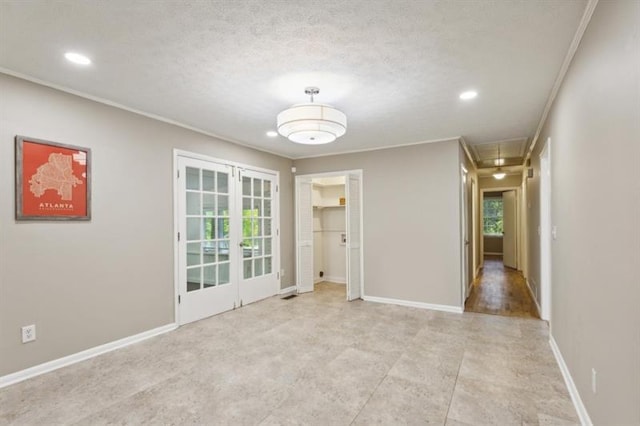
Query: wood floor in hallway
point(500, 290)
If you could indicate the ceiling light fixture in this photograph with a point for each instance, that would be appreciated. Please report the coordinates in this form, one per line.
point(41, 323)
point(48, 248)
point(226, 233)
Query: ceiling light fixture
point(272, 133)
point(311, 123)
point(77, 58)
point(465, 96)
point(499, 174)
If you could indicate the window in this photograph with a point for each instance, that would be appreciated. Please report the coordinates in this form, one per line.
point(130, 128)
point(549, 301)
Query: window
point(492, 216)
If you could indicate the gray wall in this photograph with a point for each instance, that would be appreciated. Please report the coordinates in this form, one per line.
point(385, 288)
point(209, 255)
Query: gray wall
point(411, 219)
point(594, 127)
point(85, 284)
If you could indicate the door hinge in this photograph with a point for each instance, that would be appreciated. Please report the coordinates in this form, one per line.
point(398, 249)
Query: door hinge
point(233, 171)
point(277, 188)
point(178, 236)
point(278, 275)
point(178, 174)
point(178, 299)
point(241, 303)
point(277, 232)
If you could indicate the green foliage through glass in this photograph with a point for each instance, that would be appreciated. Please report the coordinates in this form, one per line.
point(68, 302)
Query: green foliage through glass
point(492, 216)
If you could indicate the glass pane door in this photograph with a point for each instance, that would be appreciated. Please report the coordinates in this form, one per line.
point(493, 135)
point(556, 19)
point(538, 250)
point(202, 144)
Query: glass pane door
point(207, 254)
point(258, 235)
point(205, 250)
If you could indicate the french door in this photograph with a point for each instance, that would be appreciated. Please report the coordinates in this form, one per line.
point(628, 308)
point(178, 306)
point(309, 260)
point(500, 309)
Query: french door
point(226, 251)
point(259, 277)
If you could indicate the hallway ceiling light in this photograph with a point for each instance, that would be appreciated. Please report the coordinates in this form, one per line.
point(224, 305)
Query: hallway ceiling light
point(499, 174)
point(311, 123)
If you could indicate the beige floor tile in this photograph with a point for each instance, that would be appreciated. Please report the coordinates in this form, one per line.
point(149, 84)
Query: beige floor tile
point(313, 359)
point(401, 402)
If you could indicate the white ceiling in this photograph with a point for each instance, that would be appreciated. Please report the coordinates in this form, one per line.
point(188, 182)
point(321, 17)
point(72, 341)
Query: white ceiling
point(395, 67)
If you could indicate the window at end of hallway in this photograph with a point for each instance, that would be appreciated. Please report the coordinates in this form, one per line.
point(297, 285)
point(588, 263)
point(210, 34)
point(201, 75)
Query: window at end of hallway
point(492, 216)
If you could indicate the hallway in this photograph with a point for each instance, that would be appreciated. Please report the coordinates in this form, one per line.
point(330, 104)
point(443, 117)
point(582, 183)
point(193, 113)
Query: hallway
point(499, 290)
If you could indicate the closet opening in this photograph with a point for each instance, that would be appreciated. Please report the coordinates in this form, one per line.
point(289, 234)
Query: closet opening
point(329, 232)
point(328, 198)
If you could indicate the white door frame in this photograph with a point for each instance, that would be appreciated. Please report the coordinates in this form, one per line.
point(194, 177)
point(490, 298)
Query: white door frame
point(474, 226)
point(518, 220)
point(346, 174)
point(545, 231)
point(524, 229)
point(465, 238)
point(176, 219)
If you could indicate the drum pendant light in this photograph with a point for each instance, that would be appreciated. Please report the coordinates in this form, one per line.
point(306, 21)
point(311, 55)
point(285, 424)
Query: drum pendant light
point(312, 123)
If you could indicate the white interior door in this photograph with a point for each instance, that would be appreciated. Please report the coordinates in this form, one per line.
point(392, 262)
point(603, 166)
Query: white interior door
point(304, 232)
point(354, 235)
point(258, 242)
point(206, 226)
point(509, 225)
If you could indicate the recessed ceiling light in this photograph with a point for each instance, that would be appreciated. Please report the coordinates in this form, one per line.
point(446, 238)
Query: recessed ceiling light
point(468, 95)
point(272, 134)
point(77, 58)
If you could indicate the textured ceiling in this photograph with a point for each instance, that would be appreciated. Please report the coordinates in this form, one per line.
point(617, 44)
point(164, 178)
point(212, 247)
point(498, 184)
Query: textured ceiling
point(394, 67)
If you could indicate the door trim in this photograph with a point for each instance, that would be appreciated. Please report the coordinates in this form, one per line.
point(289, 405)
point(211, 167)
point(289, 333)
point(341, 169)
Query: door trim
point(464, 235)
point(176, 220)
point(544, 236)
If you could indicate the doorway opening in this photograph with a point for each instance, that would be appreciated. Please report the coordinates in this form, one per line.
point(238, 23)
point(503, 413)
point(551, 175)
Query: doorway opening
point(500, 224)
point(501, 288)
point(329, 231)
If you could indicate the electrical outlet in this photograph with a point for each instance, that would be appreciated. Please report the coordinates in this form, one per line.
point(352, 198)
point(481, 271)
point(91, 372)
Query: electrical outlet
point(593, 380)
point(28, 333)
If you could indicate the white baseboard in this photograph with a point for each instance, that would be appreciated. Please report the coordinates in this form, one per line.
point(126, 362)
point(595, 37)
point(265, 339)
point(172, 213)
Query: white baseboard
point(46, 367)
point(571, 386)
point(421, 305)
point(535, 300)
point(335, 280)
point(318, 280)
point(290, 289)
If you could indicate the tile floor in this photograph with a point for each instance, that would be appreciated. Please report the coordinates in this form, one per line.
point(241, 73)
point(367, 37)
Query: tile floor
point(313, 359)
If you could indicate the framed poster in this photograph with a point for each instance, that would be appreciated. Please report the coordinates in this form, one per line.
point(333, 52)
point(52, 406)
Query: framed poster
point(53, 180)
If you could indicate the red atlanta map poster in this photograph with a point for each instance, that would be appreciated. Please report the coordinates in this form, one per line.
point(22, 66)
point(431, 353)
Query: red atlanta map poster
point(54, 180)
